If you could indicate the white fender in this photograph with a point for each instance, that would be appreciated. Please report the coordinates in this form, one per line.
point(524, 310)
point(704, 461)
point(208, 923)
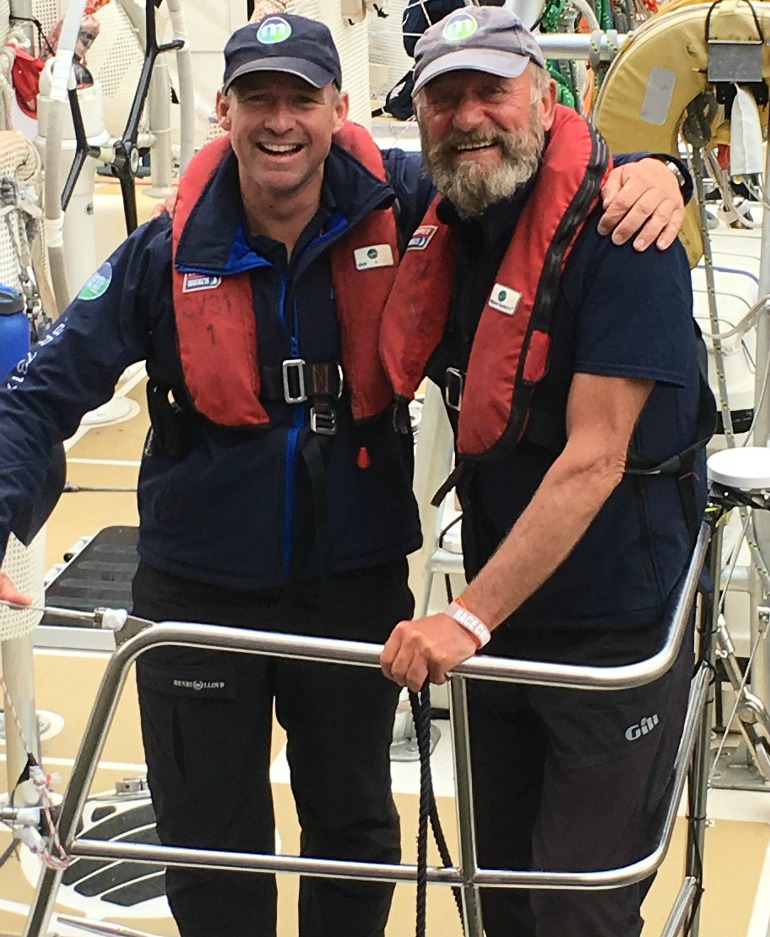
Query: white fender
point(643, 100)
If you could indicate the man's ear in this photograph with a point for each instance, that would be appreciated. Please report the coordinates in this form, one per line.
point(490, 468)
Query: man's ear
point(223, 111)
point(341, 109)
point(548, 105)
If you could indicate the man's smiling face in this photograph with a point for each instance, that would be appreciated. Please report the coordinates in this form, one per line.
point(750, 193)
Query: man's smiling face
point(281, 129)
point(482, 135)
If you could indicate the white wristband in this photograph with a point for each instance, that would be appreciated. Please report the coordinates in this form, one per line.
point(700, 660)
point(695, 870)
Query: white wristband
point(470, 622)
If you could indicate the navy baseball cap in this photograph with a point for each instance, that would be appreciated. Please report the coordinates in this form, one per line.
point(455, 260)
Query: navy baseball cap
point(482, 39)
point(283, 43)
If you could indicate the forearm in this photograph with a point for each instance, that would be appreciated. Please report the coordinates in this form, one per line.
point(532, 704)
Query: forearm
point(568, 499)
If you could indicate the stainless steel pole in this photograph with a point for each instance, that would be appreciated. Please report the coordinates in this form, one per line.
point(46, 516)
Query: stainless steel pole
point(701, 761)
point(461, 747)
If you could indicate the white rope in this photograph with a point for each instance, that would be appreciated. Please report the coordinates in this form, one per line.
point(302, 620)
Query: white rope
point(48, 848)
point(746, 323)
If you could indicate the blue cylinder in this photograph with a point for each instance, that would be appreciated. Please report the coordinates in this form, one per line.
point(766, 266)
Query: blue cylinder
point(14, 329)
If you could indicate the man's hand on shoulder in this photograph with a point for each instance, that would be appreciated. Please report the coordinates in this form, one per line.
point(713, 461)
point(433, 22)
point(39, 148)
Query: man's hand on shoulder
point(166, 207)
point(9, 592)
point(643, 199)
point(425, 649)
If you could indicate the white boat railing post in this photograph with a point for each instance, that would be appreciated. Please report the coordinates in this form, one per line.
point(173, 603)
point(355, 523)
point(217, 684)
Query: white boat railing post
point(19, 675)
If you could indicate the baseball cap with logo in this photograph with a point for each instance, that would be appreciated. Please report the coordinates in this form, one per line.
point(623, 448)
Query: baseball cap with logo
point(482, 39)
point(286, 43)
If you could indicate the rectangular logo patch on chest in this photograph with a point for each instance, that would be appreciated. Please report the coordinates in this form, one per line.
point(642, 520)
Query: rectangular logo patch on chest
point(504, 299)
point(422, 237)
point(377, 255)
point(193, 282)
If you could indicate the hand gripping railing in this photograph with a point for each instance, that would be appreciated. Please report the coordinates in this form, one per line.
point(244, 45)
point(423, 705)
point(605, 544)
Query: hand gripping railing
point(142, 635)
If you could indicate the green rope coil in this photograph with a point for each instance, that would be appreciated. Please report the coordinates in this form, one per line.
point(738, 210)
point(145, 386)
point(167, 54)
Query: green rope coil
point(565, 93)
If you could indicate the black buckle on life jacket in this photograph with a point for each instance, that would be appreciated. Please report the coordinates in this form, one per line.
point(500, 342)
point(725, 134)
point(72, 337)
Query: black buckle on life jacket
point(454, 381)
point(297, 381)
point(323, 419)
point(293, 374)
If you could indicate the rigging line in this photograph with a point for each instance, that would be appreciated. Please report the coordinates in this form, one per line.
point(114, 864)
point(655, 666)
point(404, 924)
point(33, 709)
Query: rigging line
point(51, 853)
point(723, 182)
point(758, 193)
point(758, 405)
point(747, 322)
point(744, 680)
point(745, 675)
point(734, 563)
point(699, 172)
point(14, 714)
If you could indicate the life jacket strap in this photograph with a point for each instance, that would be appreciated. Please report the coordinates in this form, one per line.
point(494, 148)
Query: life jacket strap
point(454, 382)
point(682, 464)
point(312, 529)
point(172, 425)
point(296, 380)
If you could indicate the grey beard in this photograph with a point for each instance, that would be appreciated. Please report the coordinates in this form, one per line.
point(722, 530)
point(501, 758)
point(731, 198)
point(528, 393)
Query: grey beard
point(472, 188)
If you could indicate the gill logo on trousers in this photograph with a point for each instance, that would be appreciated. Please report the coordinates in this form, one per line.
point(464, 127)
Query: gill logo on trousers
point(645, 725)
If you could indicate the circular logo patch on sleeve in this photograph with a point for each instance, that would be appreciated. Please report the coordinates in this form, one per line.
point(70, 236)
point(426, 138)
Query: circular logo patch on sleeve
point(97, 284)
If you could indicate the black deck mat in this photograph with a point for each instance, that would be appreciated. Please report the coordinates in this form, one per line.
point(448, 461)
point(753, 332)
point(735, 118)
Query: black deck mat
point(120, 882)
point(100, 575)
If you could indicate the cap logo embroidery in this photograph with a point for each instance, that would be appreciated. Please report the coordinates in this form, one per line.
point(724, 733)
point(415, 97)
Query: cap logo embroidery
point(460, 26)
point(273, 29)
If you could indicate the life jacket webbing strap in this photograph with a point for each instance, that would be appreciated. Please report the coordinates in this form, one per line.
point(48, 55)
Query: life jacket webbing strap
point(309, 531)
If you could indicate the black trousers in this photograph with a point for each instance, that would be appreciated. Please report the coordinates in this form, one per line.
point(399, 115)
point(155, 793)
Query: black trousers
point(568, 780)
point(206, 724)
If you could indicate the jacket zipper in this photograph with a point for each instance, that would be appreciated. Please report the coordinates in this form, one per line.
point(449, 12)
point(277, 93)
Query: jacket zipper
point(292, 439)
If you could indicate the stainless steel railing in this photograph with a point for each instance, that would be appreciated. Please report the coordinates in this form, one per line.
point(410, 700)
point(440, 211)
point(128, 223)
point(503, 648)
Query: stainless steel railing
point(467, 875)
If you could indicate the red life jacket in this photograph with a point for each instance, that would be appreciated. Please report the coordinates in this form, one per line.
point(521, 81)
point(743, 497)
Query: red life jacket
point(216, 327)
point(511, 346)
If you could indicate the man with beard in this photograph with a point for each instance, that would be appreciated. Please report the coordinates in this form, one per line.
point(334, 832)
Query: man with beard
point(274, 492)
point(566, 364)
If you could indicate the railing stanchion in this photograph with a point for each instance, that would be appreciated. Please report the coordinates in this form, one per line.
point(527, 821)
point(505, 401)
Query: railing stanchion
point(466, 824)
point(701, 760)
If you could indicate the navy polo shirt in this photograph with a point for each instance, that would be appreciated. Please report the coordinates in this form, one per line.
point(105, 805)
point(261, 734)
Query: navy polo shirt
point(618, 313)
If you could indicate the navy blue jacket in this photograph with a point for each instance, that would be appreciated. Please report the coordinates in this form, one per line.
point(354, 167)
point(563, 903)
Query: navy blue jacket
point(226, 513)
point(618, 313)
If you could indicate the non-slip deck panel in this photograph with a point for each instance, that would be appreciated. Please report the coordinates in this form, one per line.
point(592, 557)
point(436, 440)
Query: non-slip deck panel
point(98, 576)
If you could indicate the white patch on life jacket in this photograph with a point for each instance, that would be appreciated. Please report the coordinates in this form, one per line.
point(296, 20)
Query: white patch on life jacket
point(504, 299)
point(422, 237)
point(376, 255)
point(199, 281)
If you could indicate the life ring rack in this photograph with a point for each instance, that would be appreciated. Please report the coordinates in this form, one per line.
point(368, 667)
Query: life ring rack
point(643, 100)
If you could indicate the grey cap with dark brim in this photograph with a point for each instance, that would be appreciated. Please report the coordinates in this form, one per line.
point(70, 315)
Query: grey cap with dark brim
point(484, 39)
point(502, 64)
